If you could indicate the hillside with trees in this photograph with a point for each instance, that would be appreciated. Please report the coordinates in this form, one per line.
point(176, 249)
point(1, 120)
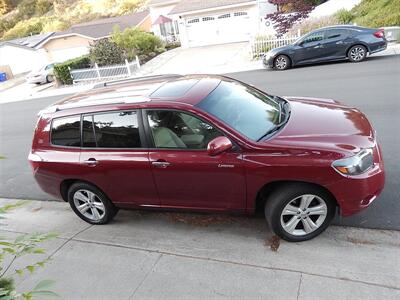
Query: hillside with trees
point(19, 18)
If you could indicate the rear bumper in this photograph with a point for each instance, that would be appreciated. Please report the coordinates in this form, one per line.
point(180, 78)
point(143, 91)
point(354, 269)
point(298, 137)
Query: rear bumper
point(377, 47)
point(353, 194)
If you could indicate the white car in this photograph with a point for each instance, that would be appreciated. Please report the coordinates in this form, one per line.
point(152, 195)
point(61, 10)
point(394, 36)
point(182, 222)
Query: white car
point(43, 75)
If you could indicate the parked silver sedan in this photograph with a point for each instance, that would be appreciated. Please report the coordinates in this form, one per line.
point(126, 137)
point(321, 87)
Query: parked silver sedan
point(43, 75)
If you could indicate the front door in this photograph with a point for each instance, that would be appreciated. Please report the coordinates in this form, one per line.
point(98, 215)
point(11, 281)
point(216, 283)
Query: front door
point(310, 49)
point(185, 175)
point(112, 157)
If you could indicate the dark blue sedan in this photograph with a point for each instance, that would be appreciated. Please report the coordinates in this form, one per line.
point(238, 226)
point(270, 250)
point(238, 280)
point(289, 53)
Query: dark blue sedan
point(327, 44)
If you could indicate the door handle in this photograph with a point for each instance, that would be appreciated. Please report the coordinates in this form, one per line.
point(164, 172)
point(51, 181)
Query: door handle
point(91, 162)
point(318, 46)
point(160, 164)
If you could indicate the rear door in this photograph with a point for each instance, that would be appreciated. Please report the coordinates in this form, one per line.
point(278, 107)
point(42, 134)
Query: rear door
point(335, 43)
point(114, 158)
point(185, 174)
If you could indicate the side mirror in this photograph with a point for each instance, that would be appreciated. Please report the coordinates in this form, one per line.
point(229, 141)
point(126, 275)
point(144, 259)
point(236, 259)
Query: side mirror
point(219, 145)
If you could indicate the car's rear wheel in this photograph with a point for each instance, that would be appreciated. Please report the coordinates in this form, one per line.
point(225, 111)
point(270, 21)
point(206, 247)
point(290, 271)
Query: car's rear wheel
point(299, 212)
point(282, 62)
point(357, 53)
point(91, 204)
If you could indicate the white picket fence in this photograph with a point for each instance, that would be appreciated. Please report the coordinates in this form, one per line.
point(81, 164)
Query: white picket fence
point(105, 73)
point(262, 44)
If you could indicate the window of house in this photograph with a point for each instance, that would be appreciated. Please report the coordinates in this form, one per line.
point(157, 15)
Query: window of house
point(176, 27)
point(208, 19)
point(66, 131)
point(224, 16)
point(173, 129)
point(240, 13)
point(111, 130)
point(163, 30)
point(193, 21)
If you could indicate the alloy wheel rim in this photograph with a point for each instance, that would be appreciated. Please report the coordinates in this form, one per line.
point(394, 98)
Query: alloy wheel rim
point(280, 62)
point(89, 205)
point(357, 53)
point(304, 214)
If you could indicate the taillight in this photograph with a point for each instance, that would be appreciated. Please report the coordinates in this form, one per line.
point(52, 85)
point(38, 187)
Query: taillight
point(380, 33)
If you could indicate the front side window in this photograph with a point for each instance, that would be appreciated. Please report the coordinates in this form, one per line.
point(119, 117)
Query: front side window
point(243, 108)
point(111, 130)
point(173, 129)
point(314, 37)
point(66, 131)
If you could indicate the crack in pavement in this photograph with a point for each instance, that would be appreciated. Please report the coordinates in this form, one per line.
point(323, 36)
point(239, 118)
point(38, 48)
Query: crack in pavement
point(161, 252)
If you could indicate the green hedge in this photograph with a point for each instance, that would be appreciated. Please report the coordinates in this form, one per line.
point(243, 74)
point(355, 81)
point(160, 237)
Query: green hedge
point(61, 70)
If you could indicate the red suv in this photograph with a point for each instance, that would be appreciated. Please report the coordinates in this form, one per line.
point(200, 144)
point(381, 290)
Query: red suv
point(207, 143)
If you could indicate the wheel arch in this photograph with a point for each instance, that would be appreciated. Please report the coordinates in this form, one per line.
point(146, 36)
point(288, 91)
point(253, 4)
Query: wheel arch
point(67, 183)
point(359, 43)
point(269, 187)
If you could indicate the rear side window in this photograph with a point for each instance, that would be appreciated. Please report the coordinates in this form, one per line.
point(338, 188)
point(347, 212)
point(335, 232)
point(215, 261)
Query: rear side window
point(335, 33)
point(111, 130)
point(66, 131)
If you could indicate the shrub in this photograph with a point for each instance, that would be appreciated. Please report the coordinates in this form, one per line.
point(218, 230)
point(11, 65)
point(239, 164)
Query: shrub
point(344, 16)
point(24, 28)
point(312, 24)
point(105, 52)
point(377, 13)
point(137, 42)
point(55, 24)
point(43, 6)
point(62, 73)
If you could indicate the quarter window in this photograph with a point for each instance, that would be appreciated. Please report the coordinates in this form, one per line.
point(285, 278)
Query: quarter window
point(172, 129)
point(111, 130)
point(66, 131)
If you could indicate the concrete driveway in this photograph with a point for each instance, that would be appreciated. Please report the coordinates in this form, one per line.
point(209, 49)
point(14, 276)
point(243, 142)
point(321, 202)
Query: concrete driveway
point(224, 58)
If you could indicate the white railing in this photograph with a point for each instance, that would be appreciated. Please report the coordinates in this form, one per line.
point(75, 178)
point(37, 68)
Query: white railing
point(262, 44)
point(105, 73)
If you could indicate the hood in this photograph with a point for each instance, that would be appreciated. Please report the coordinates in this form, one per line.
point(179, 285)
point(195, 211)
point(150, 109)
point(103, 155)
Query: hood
point(325, 124)
point(279, 49)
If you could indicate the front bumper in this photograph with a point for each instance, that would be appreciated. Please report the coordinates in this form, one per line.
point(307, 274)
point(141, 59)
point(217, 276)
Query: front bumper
point(268, 62)
point(355, 193)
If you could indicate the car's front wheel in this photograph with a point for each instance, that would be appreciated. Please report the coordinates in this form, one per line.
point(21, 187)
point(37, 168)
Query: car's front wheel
point(91, 204)
point(299, 212)
point(282, 62)
point(357, 53)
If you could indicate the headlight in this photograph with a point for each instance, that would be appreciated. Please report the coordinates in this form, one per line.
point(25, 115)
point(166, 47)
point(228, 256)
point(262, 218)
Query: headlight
point(356, 164)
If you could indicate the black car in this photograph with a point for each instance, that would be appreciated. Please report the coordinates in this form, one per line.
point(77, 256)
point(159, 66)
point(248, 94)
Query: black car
point(326, 44)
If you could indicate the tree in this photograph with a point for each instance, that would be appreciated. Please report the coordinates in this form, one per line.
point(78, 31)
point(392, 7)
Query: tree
point(290, 12)
point(106, 52)
point(137, 42)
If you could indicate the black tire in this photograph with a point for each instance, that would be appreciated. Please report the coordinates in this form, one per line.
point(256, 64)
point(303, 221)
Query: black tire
point(109, 211)
point(357, 53)
point(49, 78)
point(282, 196)
point(282, 62)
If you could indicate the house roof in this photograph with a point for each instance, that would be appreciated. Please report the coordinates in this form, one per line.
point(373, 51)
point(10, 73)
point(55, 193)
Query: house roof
point(161, 20)
point(29, 41)
point(104, 27)
point(195, 5)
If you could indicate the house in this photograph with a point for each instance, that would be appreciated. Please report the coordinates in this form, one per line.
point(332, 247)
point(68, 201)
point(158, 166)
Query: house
point(76, 40)
point(24, 54)
point(209, 22)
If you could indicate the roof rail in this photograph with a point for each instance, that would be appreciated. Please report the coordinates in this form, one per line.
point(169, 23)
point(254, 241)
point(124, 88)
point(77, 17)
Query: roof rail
point(134, 79)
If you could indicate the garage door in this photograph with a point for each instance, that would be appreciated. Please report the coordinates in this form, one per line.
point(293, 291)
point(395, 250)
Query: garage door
point(218, 29)
point(61, 55)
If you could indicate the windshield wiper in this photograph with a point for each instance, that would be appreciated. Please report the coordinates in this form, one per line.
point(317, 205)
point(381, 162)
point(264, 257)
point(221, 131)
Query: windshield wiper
point(282, 111)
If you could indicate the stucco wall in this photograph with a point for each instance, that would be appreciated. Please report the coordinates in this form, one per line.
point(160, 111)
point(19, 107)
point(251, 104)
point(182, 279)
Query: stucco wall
point(21, 60)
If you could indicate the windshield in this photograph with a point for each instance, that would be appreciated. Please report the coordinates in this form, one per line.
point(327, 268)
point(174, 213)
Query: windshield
point(243, 108)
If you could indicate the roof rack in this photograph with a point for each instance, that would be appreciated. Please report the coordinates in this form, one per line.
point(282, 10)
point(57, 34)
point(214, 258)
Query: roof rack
point(134, 79)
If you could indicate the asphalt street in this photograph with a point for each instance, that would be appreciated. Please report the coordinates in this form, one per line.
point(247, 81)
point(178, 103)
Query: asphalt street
point(372, 86)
